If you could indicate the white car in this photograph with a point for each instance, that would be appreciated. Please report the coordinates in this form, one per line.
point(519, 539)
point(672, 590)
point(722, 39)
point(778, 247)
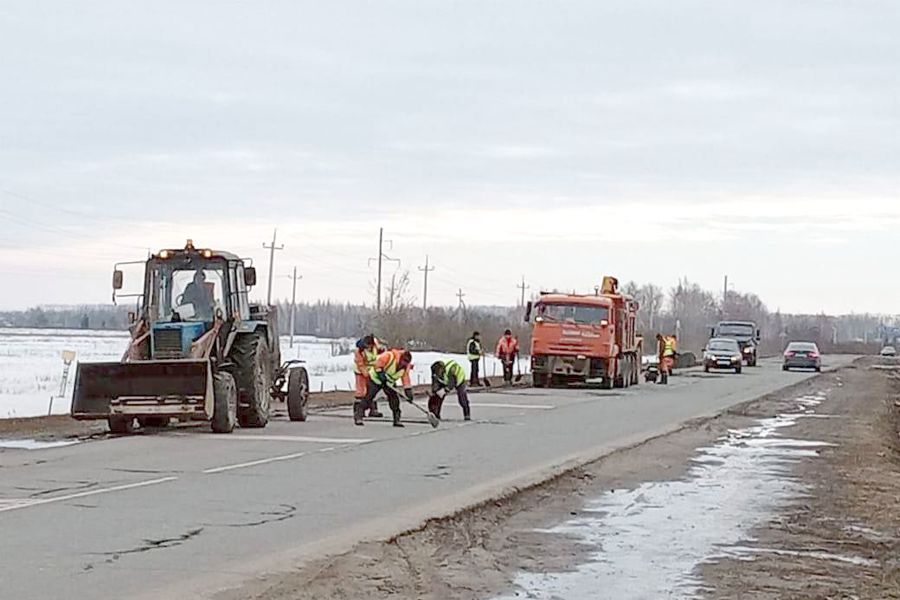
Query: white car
point(889, 351)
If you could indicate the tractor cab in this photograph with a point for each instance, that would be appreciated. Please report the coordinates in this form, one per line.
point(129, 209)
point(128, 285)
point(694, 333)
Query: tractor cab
point(187, 293)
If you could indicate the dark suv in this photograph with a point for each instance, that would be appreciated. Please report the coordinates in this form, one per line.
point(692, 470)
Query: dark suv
point(745, 333)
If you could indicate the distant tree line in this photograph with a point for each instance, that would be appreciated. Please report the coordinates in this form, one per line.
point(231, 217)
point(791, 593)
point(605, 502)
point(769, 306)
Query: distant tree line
point(686, 308)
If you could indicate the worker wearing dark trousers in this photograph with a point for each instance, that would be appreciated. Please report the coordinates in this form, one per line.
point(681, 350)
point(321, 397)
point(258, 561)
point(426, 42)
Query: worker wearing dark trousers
point(448, 375)
point(390, 367)
point(474, 352)
point(508, 352)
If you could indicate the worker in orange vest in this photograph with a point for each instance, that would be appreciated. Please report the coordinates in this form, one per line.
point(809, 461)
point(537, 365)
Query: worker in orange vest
point(508, 352)
point(367, 350)
point(390, 367)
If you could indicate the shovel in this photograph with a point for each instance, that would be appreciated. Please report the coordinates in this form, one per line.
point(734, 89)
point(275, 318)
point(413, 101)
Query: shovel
point(432, 418)
point(486, 382)
point(518, 370)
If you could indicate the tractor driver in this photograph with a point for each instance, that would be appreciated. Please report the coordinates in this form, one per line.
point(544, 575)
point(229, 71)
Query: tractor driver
point(199, 294)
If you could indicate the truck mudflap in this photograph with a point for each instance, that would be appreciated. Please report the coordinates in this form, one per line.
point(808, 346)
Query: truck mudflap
point(143, 388)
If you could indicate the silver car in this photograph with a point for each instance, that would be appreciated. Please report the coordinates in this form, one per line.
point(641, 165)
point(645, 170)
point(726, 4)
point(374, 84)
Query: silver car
point(802, 355)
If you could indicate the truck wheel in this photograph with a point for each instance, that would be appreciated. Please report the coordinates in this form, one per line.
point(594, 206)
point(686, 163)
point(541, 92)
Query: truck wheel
point(297, 393)
point(121, 425)
point(224, 416)
point(250, 356)
point(539, 380)
point(606, 383)
point(738, 370)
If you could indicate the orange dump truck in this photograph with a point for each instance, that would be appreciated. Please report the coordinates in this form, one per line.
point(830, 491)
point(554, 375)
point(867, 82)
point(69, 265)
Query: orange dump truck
point(576, 338)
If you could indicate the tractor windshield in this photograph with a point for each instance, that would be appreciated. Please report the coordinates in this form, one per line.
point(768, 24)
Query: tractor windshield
point(187, 290)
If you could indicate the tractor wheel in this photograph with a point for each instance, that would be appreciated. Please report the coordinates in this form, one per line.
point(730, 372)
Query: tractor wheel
point(224, 416)
point(121, 425)
point(297, 393)
point(250, 356)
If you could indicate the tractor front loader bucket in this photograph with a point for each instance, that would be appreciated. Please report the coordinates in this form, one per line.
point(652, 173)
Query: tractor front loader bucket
point(178, 388)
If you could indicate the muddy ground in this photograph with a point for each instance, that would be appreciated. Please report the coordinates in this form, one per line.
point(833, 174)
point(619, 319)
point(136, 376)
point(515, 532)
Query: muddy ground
point(853, 509)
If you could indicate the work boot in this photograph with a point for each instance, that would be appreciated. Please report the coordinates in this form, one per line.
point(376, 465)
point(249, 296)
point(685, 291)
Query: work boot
point(374, 413)
point(397, 422)
point(358, 411)
point(467, 416)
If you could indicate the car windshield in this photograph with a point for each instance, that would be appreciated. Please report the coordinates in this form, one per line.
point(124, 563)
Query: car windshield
point(723, 346)
point(187, 290)
point(736, 329)
point(802, 347)
point(573, 313)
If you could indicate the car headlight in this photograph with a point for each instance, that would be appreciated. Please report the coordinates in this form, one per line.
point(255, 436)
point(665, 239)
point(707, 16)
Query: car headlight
point(748, 350)
point(736, 358)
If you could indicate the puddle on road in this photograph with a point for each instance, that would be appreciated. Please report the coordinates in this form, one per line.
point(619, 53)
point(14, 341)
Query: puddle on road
point(649, 541)
point(33, 444)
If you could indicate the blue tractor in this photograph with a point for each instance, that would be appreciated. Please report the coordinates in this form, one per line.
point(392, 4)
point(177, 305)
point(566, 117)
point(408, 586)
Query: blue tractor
point(199, 350)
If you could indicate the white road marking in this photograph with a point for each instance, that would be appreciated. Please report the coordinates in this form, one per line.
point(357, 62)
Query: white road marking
point(499, 405)
point(264, 461)
point(128, 486)
point(290, 438)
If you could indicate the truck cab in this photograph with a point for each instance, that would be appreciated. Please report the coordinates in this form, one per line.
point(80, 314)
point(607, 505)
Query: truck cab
point(576, 338)
point(745, 333)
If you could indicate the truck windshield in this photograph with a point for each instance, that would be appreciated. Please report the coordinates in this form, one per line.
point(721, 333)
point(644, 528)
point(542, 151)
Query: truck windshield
point(736, 329)
point(186, 291)
point(573, 313)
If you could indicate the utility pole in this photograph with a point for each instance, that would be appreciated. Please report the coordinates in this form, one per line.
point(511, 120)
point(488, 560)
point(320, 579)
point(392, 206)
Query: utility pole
point(381, 257)
point(426, 269)
point(460, 295)
point(271, 248)
point(295, 277)
point(725, 299)
point(523, 287)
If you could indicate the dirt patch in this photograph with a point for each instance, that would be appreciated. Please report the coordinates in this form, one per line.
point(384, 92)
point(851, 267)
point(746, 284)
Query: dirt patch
point(477, 554)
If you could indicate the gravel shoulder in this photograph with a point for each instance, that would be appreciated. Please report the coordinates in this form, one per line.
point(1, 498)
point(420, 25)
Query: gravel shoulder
point(842, 540)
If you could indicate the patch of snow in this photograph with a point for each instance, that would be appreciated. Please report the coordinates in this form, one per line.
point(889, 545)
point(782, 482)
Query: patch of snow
point(649, 541)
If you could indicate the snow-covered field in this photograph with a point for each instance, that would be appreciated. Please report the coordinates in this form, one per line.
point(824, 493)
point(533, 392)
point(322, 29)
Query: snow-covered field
point(31, 365)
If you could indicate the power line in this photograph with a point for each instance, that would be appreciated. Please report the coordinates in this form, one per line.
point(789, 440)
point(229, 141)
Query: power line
point(272, 248)
point(426, 269)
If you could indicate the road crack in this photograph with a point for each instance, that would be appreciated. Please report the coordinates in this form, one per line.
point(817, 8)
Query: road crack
point(150, 545)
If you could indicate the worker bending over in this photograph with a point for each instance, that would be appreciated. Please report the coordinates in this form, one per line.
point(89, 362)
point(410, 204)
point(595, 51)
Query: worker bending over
point(390, 367)
point(364, 355)
point(474, 352)
point(508, 352)
point(447, 376)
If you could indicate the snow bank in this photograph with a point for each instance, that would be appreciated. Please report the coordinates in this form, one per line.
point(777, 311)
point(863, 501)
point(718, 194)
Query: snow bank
point(31, 365)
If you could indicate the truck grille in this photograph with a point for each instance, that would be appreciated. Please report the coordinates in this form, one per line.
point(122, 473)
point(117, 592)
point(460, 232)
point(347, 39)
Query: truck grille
point(167, 343)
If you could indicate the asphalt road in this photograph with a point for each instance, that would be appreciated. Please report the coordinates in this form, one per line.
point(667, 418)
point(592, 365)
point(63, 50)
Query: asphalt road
point(185, 512)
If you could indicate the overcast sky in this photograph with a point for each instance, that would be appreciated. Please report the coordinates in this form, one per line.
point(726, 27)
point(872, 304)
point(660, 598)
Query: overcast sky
point(558, 141)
